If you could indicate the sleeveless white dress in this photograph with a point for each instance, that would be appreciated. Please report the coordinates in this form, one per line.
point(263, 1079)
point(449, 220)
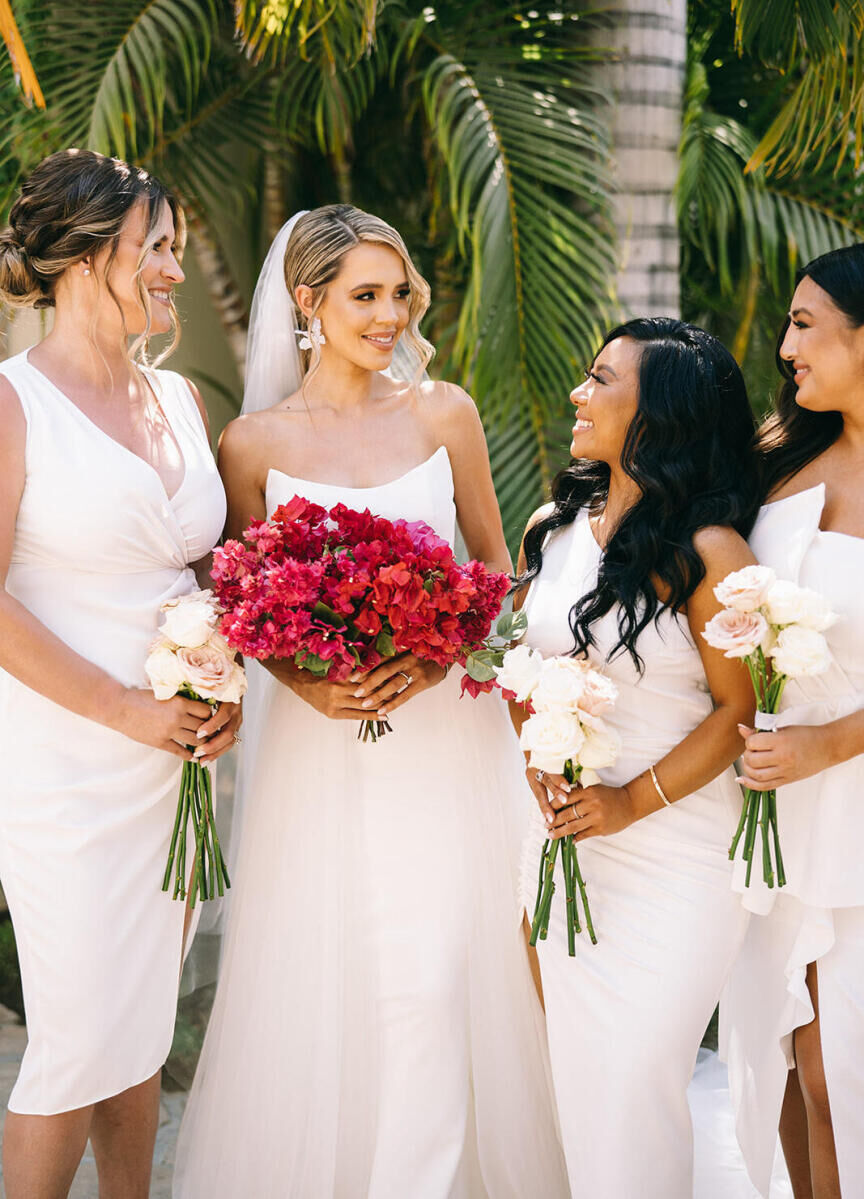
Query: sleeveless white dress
point(819, 915)
point(375, 1031)
point(626, 1016)
point(86, 813)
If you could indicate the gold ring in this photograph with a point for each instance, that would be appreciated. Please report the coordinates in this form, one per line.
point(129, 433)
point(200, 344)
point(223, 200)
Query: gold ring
point(576, 815)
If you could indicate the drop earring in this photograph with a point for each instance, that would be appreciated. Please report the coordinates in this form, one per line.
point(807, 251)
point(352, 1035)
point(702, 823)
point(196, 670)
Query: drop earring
point(311, 338)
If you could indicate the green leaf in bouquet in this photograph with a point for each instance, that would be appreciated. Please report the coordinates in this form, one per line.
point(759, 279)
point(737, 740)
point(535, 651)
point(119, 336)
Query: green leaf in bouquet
point(325, 613)
point(320, 667)
point(385, 644)
point(479, 668)
point(512, 625)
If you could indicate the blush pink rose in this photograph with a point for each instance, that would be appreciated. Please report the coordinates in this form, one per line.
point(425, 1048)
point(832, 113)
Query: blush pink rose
point(212, 674)
point(737, 634)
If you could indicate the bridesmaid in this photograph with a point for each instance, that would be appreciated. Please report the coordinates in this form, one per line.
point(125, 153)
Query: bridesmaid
point(646, 520)
point(795, 1009)
point(108, 490)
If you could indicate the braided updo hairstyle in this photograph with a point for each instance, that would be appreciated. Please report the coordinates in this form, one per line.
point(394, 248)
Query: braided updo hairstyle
point(72, 206)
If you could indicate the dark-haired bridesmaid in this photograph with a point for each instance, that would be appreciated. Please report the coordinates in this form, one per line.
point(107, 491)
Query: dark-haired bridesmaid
point(652, 513)
point(795, 1009)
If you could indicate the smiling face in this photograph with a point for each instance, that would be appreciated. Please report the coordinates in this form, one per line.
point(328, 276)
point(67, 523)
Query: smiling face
point(606, 402)
point(825, 350)
point(365, 308)
point(159, 270)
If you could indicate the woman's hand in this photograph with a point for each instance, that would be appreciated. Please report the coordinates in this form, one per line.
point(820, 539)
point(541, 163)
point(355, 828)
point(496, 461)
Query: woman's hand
point(169, 724)
point(552, 791)
point(595, 812)
point(219, 734)
point(393, 683)
point(773, 759)
point(333, 700)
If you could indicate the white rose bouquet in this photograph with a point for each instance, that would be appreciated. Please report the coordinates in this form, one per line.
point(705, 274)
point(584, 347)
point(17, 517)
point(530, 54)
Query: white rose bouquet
point(190, 657)
point(564, 734)
point(775, 627)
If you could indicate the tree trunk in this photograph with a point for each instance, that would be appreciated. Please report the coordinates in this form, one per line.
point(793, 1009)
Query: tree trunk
point(224, 292)
point(647, 83)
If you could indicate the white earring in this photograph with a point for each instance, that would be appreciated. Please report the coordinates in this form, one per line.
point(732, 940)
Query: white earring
point(86, 270)
point(311, 338)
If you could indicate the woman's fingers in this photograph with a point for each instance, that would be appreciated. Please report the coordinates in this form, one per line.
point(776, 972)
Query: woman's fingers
point(391, 687)
point(541, 795)
point(759, 785)
point(217, 720)
point(370, 682)
point(196, 709)
point(401, 697)
point(568, 823)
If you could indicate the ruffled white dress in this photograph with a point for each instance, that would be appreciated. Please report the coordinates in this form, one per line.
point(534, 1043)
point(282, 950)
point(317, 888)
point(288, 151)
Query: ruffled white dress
point(86, 813)
point(375, 1031)
point(819, 915)
point(626, 1016)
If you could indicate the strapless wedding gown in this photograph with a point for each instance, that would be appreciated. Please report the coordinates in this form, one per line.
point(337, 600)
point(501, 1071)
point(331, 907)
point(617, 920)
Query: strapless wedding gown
point(819, 915)
point(626, 1016)
point(86, 813)
point(375, 1030)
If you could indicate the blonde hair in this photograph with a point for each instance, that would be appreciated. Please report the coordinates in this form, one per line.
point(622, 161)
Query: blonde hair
point(73, 206)
point(313, 257)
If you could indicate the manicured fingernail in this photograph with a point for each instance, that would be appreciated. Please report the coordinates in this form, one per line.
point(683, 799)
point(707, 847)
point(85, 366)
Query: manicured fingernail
point(199, 752)
point(566, 787)
point(367, 703)
point(738, 779)
point(201, 732)
point(550, 816)
point(358, 692)
point(742, 728)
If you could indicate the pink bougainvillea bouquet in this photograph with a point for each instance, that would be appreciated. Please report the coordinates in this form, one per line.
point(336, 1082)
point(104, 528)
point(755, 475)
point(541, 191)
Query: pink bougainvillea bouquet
point(337, 591)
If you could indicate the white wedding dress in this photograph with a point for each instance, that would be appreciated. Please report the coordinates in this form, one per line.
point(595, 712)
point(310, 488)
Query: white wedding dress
point(375, 1030)
point(626, 1016)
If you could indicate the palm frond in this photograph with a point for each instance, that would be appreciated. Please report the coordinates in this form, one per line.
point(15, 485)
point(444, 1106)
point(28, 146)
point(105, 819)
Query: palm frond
point(334, 35)
point(524, 160)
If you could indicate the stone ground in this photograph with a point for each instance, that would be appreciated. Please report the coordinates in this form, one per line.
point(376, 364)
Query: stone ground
point(13, 1038)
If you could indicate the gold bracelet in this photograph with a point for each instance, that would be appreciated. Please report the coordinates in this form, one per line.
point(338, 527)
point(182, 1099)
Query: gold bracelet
point(658, 788)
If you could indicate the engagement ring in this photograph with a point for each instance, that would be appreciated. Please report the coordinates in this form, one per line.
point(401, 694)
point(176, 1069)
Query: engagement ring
point(539, 775)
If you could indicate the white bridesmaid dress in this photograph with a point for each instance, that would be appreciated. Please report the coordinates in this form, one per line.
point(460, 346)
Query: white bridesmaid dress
point(86, 813)
point(375, 1031)
point(626, 1016)
point(819, 915)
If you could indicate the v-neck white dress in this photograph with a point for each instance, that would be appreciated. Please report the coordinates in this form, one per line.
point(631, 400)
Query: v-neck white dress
point(85, 812)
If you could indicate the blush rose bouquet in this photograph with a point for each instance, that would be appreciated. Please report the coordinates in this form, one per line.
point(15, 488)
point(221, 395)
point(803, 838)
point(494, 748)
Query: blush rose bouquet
point(776, 629)
point(337, 591)
point(191, 658)
point(565, 733)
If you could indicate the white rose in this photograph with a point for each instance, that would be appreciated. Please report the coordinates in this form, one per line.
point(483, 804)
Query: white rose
point(519, 671)
point(745, 590)
point(552, 737)
point(561, 684)
point(163, 670)
point(211, 673)
point(787, 603)
point(601, 747)
point(737, 634)
point(190, 619)
point(799, 651)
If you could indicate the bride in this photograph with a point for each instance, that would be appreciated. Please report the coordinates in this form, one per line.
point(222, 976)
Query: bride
point(375, 1030)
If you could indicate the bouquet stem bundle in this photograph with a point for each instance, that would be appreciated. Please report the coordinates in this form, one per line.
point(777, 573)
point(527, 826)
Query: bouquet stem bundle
point(573, 884)
point(195, 805)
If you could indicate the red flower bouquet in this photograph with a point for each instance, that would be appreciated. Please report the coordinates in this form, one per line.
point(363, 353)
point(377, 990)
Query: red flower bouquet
point(338, 591)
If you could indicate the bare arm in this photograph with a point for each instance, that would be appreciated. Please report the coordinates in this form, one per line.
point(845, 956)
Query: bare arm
point(713, 745)
point(459, 427)
point(42, 661)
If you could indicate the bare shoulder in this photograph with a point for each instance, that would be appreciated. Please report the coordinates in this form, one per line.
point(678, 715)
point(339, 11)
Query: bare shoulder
point(245, 440)
point(539, 514)
point(448, 404)
point(722, 549)
point(11, 409)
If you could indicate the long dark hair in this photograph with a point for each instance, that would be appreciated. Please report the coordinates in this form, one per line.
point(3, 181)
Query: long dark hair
point(792, 436)
point(689, 448)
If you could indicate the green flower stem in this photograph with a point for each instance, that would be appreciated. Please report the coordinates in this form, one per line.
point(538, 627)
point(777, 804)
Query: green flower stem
point(222, 879)
point(765, 821)
point(778, 856)
point(172, 849)
point(540, 924)
point(745, 808)
point(570, 899)
point(589, 924)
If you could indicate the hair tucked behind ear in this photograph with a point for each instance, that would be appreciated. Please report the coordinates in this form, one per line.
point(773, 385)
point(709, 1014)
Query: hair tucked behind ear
point(689, 448)
point(793, 436)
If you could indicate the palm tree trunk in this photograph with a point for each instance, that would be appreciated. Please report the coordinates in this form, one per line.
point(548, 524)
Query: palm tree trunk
point(647, 83)
point(224, 292)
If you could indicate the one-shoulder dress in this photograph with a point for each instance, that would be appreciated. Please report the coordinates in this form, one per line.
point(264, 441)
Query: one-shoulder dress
point(85, 812)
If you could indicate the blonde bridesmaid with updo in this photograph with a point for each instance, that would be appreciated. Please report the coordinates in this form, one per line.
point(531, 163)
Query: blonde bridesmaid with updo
point(108, 492)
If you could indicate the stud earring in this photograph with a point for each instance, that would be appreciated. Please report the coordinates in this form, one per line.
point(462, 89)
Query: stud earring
point(86, 270)
point(311, 338)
